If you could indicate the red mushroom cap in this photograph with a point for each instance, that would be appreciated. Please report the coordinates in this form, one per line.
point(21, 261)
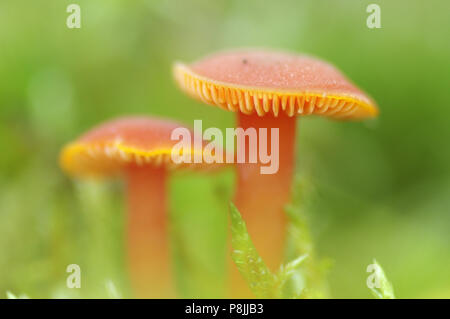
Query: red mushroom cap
point(111, 147)
point(264, 82)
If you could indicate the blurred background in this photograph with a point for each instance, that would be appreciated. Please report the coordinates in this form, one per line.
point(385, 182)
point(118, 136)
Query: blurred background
point(378, 189)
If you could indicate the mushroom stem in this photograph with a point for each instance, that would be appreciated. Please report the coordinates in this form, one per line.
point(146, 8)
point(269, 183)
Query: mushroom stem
point(148, 241)
point(261, 198)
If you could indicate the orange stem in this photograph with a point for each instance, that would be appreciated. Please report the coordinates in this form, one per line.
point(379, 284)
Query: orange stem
point(148, 242)
point(261, 198)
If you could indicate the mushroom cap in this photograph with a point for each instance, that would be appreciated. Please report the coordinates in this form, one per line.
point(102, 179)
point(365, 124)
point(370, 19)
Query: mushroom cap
point(111, 147)
point(263, 81)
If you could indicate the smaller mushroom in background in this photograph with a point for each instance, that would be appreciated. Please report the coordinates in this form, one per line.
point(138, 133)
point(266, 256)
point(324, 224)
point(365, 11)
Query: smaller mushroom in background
point(268, 89)
point(139, 148)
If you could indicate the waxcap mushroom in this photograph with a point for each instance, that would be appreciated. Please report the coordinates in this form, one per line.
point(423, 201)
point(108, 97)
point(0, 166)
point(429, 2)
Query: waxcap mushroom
point(265, 81)
point(270, 89)
point(140, 149)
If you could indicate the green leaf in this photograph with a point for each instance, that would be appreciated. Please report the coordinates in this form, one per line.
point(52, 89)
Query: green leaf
point(288, 272)
point(381, 287)
point(309, 281)
point(10, 295)
point(112, 291)
point(247, 259)
point(262, 282)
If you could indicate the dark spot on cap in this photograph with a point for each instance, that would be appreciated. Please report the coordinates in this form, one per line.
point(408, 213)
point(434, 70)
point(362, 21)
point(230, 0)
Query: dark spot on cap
point(244, 61)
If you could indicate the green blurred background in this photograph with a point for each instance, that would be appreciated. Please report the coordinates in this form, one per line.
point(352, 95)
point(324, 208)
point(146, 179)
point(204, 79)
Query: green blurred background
point(378, 189)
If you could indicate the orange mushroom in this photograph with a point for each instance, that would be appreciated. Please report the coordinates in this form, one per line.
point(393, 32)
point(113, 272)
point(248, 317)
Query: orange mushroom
point(140, 148)
point(268, 89)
